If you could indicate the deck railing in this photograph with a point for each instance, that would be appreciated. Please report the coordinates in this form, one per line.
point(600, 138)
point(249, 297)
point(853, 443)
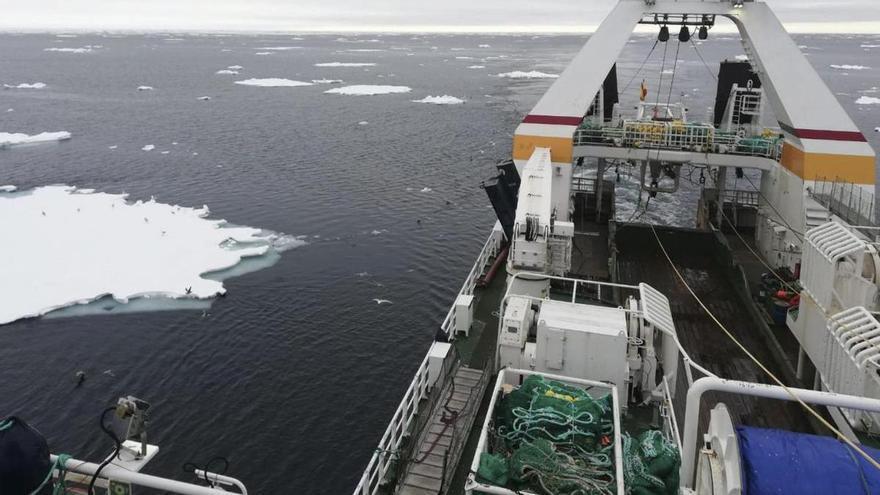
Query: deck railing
point(388, 449)
point(490, 250)
point(849, 201)
point(675, 136)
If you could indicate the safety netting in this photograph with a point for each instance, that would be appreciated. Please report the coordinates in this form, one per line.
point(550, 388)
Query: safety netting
point(553, 438)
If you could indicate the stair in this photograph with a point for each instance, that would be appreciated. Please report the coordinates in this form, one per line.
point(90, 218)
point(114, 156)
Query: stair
point(816, 215)
point(425, 474)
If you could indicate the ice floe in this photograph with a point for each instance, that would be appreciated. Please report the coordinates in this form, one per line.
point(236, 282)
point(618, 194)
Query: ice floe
point(327, 81)
point(850, 67)
point(485, 46)
point(74, 246)
point(203, 98)
point(226, 71)
point(365, 50)
point(868, 100)
point(36, 85)
point(363, 122)
point(235, 67)
point(272, 82)
point(7, 188)
point(145, 88)
point(870, 46)
point(345, 64)
point(9, 139)
point(476, 67)
point(86, 49)
point(149, 147)
point(368, 90)
point(280, 48)
point(528, 75)
point(263, 53)
point(426, 189)
point(440, 100)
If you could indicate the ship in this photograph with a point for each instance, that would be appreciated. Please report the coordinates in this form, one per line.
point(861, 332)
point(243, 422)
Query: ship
point(591, 354)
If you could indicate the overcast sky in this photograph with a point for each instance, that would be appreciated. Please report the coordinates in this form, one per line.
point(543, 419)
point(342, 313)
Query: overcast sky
point(381, 15)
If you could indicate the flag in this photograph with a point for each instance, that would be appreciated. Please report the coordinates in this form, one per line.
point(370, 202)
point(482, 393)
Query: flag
point(643, 91)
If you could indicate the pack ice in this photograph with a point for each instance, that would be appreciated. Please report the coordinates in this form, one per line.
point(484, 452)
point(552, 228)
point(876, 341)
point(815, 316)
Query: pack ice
point(65, 246)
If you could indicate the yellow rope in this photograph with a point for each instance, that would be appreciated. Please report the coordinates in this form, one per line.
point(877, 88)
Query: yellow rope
point(769, 373)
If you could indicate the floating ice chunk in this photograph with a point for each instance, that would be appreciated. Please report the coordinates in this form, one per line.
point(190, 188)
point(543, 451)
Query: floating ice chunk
point(73, 247)
point(363, 122)
point(65, 36)
point(426, 189)
point(235, 67)
point(10, 109)
point(484, 46)
point(741, 58)
point(263, 53)
point(145, 88)
point(280, 48)
point(36, 85)
point(365, 50)
point(86, 49)
point(528, 75)
point(149, 147)
point(440, 100)
point(225, 50)
point(165, 152)
point(368, 90)
point(9, 139)
point(476, 67)
point(850, 67)
point(870, 46)
point(226, 71)
point(868, 100)
point(382, 301)
point(112, 147)
point(204, 98)
point(464, 58)
point(272, 82)
point(327, 81)
point(8, 188)
point(345, 64)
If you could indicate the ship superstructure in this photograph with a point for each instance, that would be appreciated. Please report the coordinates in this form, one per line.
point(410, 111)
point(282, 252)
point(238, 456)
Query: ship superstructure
point(591, 354)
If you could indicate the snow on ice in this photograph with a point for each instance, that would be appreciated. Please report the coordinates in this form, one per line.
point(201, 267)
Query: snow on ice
point(368, 90)
point(528, 75)
point(9, 139)
point(440, 100)
point(36, 85)
point(76, 246)
point(850, 67)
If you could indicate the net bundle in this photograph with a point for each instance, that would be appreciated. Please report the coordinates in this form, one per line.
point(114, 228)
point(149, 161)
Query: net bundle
point(557, 439)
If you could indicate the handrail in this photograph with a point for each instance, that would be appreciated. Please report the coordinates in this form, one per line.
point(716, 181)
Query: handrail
point(388, 446)
point(490, 249)
point(119, 473)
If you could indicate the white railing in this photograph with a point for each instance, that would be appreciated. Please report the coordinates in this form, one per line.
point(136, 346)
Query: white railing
point(382, 459)
point(82, 471)
point(849, 201)
point(490, 249)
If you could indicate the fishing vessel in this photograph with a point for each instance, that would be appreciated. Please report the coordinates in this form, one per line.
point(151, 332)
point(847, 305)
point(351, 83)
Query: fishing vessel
point(586, 354)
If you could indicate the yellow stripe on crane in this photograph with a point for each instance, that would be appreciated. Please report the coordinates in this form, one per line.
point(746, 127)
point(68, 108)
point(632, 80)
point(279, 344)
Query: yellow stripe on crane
point(857, 169)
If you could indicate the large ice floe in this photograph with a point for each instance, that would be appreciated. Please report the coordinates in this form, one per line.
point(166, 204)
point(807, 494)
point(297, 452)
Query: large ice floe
point(345, 64)
point(66, 246)
point(518, 74)
point(850, 67)
point(440, 100)
point(36, 85)
point(272, 82)
point(9, 139)
point(368, 90)
point(85, 49)
point(868, 100)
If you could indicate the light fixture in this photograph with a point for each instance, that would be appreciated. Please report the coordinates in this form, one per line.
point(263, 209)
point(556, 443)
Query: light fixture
point(737, 4)
point(684, 35)
point(664, 34)
point(704, 33)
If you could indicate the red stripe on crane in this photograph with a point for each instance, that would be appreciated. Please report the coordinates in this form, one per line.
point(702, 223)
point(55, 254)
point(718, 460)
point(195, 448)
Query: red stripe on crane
point(552, 120)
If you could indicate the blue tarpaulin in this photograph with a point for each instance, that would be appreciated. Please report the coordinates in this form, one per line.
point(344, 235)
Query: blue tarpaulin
point(781, 462)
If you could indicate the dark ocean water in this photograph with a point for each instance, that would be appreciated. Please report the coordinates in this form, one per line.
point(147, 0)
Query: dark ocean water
point(295, 374)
